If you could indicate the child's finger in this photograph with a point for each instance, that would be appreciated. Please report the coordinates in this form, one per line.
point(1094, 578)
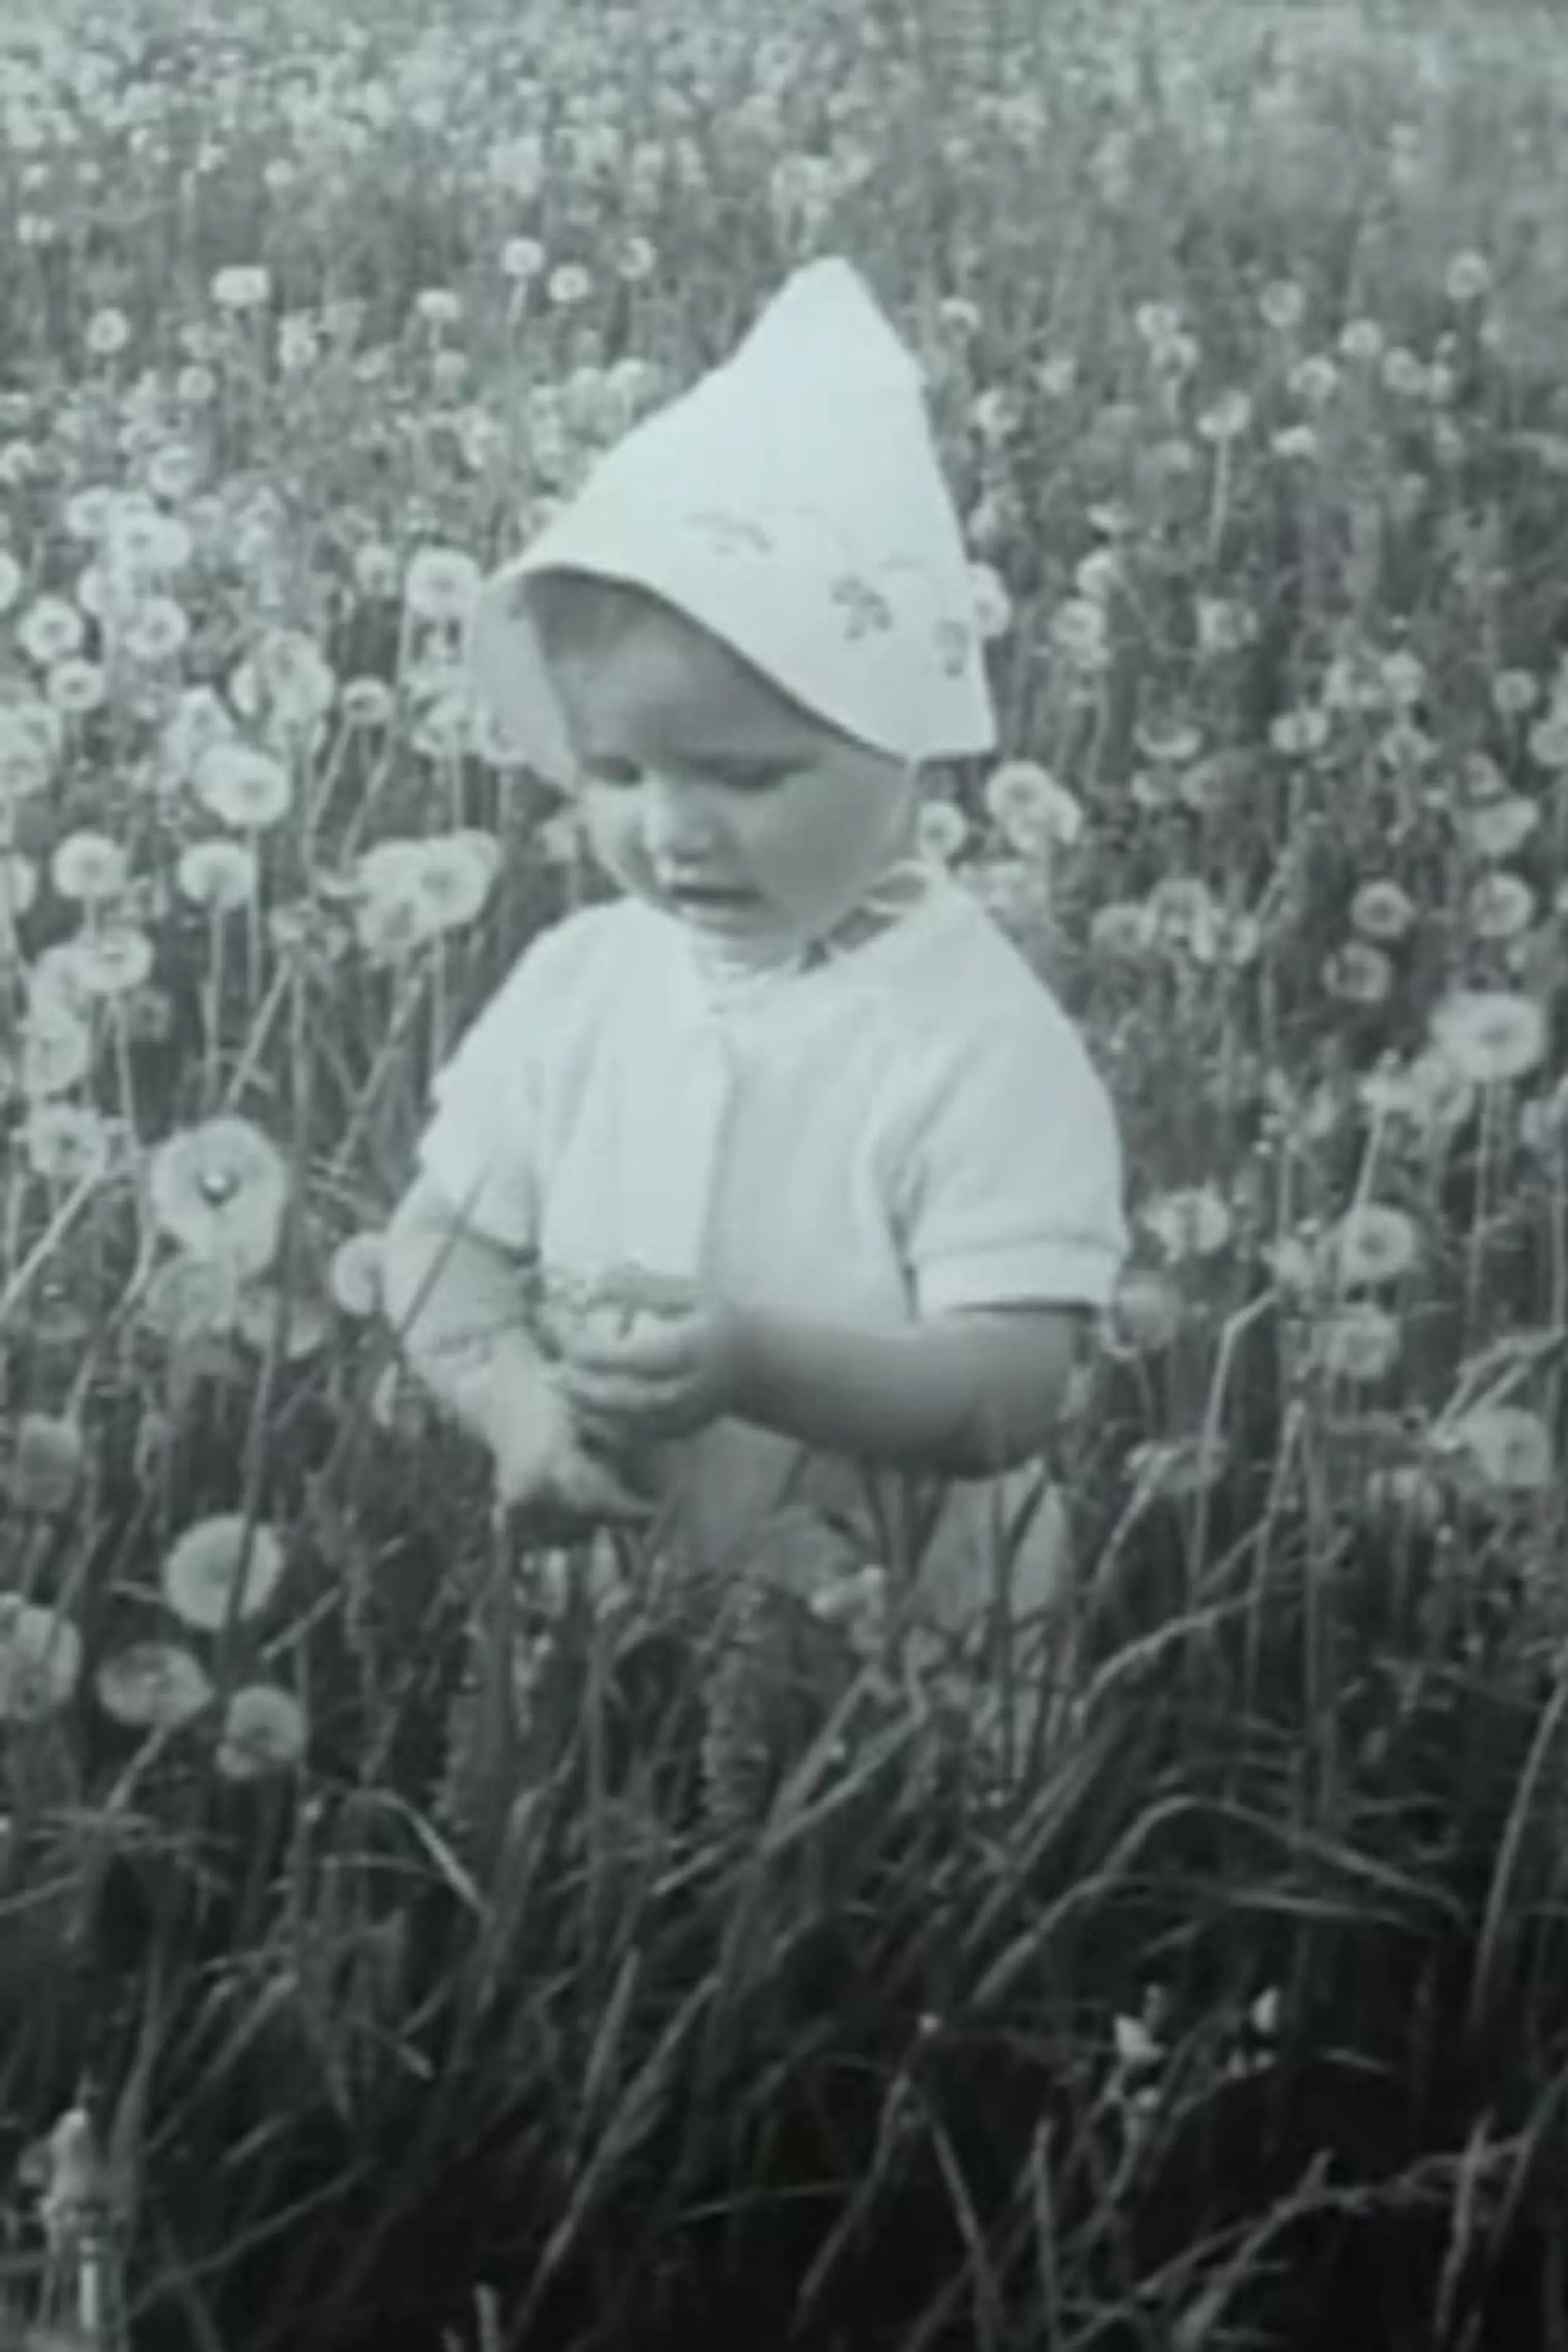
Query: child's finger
point(615, 1409)
point(652, 1353)
point(603, 1423)
point(598, 1387)
point(638, 1288)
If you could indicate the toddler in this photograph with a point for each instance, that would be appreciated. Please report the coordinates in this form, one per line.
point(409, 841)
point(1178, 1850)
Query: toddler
point(793, 1104)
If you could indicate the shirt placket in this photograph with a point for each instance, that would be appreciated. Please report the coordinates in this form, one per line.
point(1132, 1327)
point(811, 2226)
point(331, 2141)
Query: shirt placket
point(675, 1216)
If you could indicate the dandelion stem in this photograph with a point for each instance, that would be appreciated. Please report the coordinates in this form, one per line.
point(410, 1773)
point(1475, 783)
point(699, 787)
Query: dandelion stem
point(252, 929)
point(256, 1039)
point(327, 784)
point(48, 1241)
point(403, 1017)
point(1559, 1314)
point(1220, 503)
point(212, 1003)
point(1214, 1405)
point(1370, 1158)
point(1476, 1270)
point(375, 784)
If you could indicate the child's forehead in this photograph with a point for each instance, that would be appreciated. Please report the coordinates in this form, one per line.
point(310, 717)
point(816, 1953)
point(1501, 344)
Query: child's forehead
point(659, 682)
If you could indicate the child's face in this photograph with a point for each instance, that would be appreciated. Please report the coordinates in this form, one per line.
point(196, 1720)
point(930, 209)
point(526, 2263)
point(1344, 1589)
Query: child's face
point(697, 777)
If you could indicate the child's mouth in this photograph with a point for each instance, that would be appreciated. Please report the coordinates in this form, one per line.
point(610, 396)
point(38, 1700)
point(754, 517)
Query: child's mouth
point(708, 898)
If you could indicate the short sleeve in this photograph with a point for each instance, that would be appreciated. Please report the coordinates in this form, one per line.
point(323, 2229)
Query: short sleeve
point(480, 1147)
point(1011, 1188)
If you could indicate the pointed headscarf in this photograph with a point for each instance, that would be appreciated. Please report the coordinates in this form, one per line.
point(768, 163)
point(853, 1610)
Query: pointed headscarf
point(792, 504)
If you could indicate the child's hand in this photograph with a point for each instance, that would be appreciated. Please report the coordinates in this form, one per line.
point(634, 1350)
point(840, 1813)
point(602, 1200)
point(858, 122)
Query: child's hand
point(542, 1466)
point(652, 1357)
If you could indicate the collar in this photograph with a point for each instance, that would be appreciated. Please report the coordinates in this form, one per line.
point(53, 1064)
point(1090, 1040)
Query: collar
point(857, 954)
point(897, 894)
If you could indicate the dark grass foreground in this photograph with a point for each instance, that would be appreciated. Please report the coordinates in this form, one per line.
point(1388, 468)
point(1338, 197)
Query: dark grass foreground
point(1239, 2018)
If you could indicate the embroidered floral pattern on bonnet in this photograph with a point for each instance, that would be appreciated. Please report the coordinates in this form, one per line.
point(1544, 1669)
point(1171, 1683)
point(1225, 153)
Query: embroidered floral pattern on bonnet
point(866, 609)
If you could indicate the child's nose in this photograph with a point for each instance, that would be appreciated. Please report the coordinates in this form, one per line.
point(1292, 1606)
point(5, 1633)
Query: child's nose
point(679, 817)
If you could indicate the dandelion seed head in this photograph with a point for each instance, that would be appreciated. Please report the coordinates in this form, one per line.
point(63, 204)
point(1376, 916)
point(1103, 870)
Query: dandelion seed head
point(1496, 829)
point(49, 1457)
point(1383, 910)
point(1147, 1311)
point(40, 1659)
point(106, 334)
point(264, 1731)
point(221, 875)
point(220, 1191)
point(246, 788)
point(1124, 930)
point(68, 1144)
point(569, 285)
point(1192, 1222)
point(990, 601)
point(355, 1274)
point(942, 831)
point(1030, 809)
point(1500, 907)
point(1491, 1037)
point(1468, 278)
point(49, 631)
point(1315, 378)
point(522, 260)
point(152, 1686)
point(442, 585)
point(221, 1567)
point(1507, 1447)
point(1282, 305)
point(1226, 418)
point(90, 868)
point(1297, 734)
point(55, 1048)
point(243, 287)
point(1548, 741)
point(1359, 973)
point(1358, 1344)
point(1371, 1243)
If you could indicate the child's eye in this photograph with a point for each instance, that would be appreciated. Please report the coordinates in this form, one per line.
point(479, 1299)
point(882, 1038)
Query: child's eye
point(741, 776)
point(758, 779)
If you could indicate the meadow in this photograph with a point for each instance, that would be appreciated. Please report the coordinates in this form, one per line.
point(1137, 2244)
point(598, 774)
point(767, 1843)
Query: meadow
point(408, 1941)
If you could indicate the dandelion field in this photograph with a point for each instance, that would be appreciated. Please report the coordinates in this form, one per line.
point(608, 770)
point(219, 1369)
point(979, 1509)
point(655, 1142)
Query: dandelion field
point(403, 1943)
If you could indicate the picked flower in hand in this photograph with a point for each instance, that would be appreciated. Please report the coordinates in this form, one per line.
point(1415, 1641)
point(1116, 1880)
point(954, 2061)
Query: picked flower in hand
point(651, 1356)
